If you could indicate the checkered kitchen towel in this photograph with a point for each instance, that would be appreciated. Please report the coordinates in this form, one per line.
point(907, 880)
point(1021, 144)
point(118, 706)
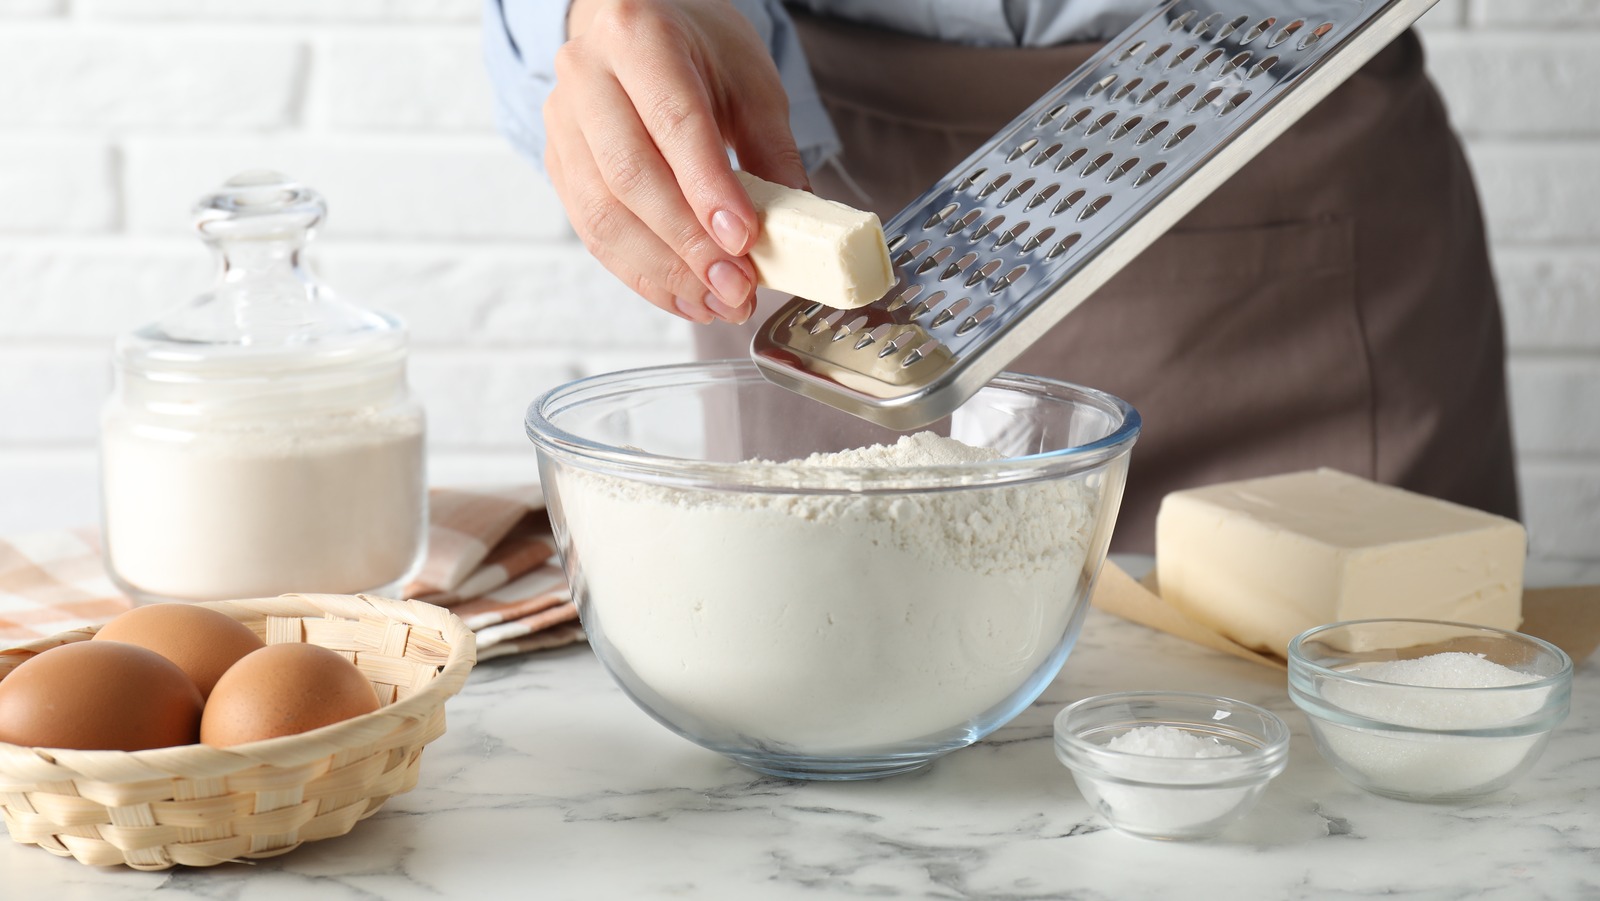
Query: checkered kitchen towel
point(491, 560)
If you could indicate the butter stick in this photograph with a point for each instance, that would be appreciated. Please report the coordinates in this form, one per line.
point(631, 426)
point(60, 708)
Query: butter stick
point(1263, 559)
point(817, 249)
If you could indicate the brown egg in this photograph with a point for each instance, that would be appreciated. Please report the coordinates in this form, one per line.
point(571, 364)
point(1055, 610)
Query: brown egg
point(99, 695)
point(201, 641)
point(284, 689)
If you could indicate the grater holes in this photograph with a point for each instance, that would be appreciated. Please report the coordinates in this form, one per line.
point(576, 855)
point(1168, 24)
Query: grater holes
point(1048, 192)
point(1287, 32)
point(1155, 55)
point(1178, 96)
point(922, 308)
point(1123, 169)
point(1204, 25)
point(1234, 102)
point(893, 344)
point(983, 272)
point(1067, 202)
point(1077, 117)
point(1045, 154)
point(810, 311)
point(1151, 133)
point(896, 242)
point(1206, 61)
point(975, 320)
point(828, 322)
point(1052, 115)
point(1235, 63)
point(962, 223)
point(1206, 100)
point(1071, 158)
point(984, 229)
point(934, 259)
point(1179, 59)
point(1011, 234)
point(1127, 88)
point(1262, 67)
point(1101, 85)
point(951, 312)
point(1007, 279)
point(1096, 206)
point(904, 297)
point(970, 180)
point(942, 215)
point(1033, 243)
point(848, 327)
point(1234, 24)
point(1095, 165)
point(1128, 124)
point(1260, 29)
point(1063, 245)
point(1129, 53)
point(1022, 148)
point(1148, 174)
point(1310, 40)
point(955, 269)
point(874, 335)
point(917, 250)
point(920, 352)
point(1177, 137)
point(1021, 188)
point(1100, 123)
point(993, 186)
point(1154, 90)
point(1181, 21)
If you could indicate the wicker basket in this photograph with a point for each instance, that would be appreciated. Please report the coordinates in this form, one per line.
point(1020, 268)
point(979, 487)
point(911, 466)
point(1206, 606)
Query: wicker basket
point(198, 805)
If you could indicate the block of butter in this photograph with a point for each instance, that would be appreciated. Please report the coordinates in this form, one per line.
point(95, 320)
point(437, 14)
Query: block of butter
point(1262, 560)
point(817, 249)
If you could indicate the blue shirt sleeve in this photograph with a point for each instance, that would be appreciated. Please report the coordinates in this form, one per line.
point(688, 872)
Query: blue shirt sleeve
point(521, 38)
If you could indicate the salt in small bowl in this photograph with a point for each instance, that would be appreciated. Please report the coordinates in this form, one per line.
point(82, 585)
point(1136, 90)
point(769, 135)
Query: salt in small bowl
point(1427, 742)
point(1173, 798)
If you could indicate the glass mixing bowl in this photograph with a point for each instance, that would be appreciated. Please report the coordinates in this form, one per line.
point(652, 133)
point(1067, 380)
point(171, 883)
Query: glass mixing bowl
point(827, 622)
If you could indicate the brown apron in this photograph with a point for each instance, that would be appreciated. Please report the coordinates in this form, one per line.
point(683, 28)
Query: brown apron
point(1330, 305)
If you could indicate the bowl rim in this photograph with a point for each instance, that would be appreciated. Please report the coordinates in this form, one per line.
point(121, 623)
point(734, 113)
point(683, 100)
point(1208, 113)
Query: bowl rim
point(1255, 764)
point(1298, 661)
point(553, 439)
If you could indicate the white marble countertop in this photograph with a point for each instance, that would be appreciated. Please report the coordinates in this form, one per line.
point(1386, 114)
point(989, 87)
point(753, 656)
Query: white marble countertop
point(551, 784)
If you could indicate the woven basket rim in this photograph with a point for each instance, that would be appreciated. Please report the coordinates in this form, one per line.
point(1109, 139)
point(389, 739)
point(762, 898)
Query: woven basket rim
point(348, 733)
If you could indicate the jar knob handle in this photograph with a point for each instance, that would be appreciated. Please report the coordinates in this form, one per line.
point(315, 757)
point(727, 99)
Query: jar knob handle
point(259, 203)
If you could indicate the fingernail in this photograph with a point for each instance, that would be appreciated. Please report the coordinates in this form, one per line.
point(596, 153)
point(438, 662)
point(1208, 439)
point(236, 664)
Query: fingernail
point(730, 232)
point(692, 310)
point(737, 315)
point(730, 282)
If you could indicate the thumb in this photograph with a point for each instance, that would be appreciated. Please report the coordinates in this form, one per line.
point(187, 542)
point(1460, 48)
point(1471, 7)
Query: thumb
point(759, 134)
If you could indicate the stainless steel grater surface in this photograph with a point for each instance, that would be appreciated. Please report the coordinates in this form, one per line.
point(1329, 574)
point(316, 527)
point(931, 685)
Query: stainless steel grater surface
point(1018, 235)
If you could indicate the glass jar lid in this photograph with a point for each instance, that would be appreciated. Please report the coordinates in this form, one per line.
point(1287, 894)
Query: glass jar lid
point(267, 325)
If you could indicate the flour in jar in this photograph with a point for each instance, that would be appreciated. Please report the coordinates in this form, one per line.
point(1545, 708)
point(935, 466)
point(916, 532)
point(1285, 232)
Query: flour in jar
point(831, 623)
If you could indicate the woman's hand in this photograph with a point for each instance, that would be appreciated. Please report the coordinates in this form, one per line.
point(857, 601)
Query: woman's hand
point(649, 95)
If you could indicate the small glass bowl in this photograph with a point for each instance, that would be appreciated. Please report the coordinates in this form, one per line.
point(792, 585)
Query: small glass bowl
point(1422, 743)
point(1174, 798)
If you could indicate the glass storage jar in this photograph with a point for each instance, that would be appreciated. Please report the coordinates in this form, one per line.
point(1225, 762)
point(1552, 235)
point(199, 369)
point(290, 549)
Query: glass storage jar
point(262, 439)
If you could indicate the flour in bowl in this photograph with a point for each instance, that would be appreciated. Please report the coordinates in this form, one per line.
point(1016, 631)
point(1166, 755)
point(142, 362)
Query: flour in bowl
point(826, 624)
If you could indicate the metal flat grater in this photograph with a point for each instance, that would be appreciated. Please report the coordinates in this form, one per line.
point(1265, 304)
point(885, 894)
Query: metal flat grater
point(1018, 235)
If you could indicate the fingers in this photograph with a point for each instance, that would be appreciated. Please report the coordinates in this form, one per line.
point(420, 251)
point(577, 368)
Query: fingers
point(614, 235)
point(758, 129)
point(640, 178)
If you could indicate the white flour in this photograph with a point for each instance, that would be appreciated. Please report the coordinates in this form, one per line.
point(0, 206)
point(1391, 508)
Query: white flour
point(328, 506)
point(826, 624)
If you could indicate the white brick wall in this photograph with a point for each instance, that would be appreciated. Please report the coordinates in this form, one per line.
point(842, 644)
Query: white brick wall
point(116, 114)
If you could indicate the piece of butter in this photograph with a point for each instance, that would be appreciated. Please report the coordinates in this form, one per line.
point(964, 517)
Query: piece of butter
point(1263, 560)
point(817, 249)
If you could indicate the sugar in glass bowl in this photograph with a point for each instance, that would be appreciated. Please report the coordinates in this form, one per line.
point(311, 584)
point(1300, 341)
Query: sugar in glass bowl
point(845, 621)
point(1170, 765)
point(1423, 710)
